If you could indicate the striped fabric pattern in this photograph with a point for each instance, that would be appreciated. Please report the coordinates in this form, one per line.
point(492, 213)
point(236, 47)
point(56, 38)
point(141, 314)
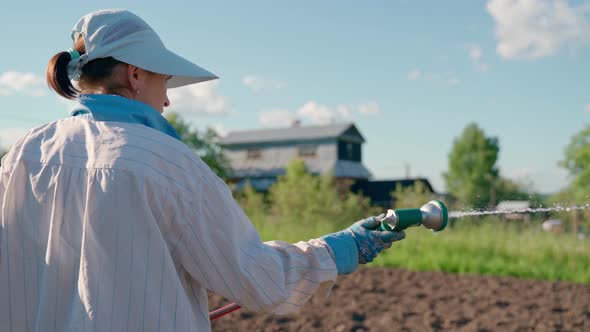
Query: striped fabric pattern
point(111, 226)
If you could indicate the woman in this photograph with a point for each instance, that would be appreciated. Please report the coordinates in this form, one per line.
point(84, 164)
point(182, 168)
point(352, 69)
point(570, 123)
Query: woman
point(111, 223)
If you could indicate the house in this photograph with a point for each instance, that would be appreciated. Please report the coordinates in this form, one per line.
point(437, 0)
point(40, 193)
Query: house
point(259, 156)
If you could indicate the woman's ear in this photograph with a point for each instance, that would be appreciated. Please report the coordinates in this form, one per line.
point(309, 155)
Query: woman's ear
point(134, 78)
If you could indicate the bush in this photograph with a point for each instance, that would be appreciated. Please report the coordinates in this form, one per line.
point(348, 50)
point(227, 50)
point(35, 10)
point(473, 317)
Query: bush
point(302, 205)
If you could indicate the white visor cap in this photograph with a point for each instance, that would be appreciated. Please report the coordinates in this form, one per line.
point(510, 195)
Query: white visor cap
point(126, 37)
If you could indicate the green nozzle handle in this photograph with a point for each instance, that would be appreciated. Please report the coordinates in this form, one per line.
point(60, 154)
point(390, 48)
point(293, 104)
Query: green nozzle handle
point(409, 217)
point(406, 218)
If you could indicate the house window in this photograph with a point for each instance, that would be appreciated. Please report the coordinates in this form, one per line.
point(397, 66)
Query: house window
point(349, 151)
point(308, 151)
point(254, 154)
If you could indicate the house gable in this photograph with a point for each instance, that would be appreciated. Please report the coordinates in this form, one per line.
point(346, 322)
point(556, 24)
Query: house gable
point(352, 135)
point(266, 153)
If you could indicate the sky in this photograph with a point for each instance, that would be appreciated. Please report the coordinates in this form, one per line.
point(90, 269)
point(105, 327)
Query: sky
point(411, 75)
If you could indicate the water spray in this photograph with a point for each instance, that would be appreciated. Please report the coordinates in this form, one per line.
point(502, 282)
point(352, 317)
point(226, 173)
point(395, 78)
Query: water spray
point(432, 215)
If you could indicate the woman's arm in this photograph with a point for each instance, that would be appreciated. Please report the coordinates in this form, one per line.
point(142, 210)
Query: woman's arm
point(221, 249)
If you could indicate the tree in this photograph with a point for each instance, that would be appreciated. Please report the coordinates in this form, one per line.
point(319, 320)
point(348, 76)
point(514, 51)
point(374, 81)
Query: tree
point(204, 144)
point(472, 168)
point(577, 162)
point(507, 189)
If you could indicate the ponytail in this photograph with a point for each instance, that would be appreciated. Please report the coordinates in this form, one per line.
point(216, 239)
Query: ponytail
point(57, 75)
point(57, 72)
point(95, 73)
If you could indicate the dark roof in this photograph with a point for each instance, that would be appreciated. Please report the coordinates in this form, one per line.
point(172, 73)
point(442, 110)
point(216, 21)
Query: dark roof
point(288, 134)
point(380, 191)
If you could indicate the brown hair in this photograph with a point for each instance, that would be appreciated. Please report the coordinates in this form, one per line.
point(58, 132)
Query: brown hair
point(95, 73)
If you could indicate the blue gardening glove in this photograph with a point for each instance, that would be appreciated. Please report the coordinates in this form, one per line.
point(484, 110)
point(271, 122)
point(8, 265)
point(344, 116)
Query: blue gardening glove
point(360, 243)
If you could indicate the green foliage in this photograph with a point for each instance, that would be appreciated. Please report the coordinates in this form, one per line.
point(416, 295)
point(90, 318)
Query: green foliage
point(303, 199)
point(412, 196)
point(472, 167)
point(491, 247)
point(252, 202)
point(506, 189)
point(567, 198)
point(577, 162)
point(302, 205)
point(484, 246)
point(204, 144)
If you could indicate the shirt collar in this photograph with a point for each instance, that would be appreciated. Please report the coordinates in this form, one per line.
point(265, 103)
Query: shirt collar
point(115, 108)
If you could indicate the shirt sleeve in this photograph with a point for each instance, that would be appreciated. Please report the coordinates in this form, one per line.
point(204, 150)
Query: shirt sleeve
point(221, 249)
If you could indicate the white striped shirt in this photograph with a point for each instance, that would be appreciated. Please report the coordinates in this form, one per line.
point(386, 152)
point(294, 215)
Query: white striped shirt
point(111, 226)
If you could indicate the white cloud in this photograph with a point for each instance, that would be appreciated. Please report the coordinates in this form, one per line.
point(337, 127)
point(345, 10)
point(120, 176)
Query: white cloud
point(198, 99)
point(530, 29)
point(258, 84)
point(370, 108)
point(587, 108)
point(476, 55)
point(483, 67)
point(474, 51)
point(276, 118)
point(417, 75)
point(344, 111)
point(453, 81)
point(414, 75)
point(317, 114)
point(12, 82)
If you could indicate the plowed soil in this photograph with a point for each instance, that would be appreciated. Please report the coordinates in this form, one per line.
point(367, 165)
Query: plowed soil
point(377, 299)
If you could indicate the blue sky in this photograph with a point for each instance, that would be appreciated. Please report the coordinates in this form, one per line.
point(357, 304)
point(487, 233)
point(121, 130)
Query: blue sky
point(410, 74)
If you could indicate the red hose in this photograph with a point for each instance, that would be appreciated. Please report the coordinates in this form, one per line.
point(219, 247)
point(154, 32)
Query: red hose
point(223, 310)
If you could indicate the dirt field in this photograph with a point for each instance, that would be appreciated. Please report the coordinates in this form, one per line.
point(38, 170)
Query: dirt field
point(374, 299)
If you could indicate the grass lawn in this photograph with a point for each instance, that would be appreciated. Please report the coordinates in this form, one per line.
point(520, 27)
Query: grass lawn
point(473, 246)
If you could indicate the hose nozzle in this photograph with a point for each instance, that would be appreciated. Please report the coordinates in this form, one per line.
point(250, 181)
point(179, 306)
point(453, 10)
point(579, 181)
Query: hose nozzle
point(433, 215)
